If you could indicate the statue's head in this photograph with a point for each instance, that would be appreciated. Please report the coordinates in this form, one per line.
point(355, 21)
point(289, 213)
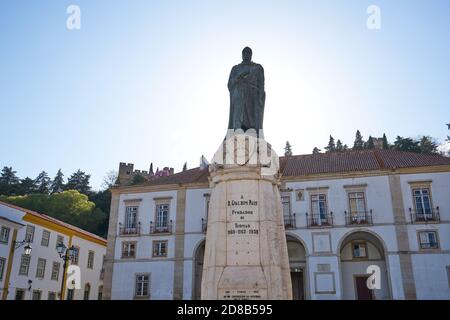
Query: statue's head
point(247, 54)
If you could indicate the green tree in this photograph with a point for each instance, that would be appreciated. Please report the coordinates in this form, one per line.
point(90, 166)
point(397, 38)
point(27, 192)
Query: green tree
point(359, 142)
point(27, 186)
point(42, 183)
point(185, 166)
point(369, 144)
point(331, 145)
point(138, 178)
point(316, 150)
point(57, 183)
point(385, 142)
point(110, 179)
point(406, 144)
point(9, 182)
point(428, 144)
point(79, 181)
point(288, 149)
point(339, 146)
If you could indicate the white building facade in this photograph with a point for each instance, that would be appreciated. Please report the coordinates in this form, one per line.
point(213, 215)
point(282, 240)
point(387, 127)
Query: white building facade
point(344, 212)
point(39, 275)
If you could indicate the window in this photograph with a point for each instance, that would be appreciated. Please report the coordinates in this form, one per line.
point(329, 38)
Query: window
point(286, 203)
point(55, 270)
point(45, 238)
point(2, 267)
point(59, 240)
point(159, 248)
point(357, 203)
point(24, 265)
point(131, 217)
point(162, 216)
point(128, 249)
point(90, 261)
point(70, 293)
point(428, 240)
point(100, 293)
point(20, 294)
point(29, 234)
point(142, 286)
point(4, 235)
point(359, 250)
point(422, 202)
point(319, 208)
point(40, 270)
point(76, 254)
point(51, 295)
point(36, 295)
point(87, 291)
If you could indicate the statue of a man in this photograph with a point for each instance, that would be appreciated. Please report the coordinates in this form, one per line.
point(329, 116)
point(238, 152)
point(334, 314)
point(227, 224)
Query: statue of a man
point(247, 96)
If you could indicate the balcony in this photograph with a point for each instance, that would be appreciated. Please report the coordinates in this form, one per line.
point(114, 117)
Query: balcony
point(159, 228)
point(425, 215)
point(204, 225)
point(319, 220)
point(289, 221)
point(358, 218)
point(133, 230)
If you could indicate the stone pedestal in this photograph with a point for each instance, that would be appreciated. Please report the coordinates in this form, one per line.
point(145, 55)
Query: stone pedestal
point(246, 252)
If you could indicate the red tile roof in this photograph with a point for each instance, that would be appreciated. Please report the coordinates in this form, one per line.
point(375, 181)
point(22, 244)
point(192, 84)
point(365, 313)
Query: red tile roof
point(322, 163)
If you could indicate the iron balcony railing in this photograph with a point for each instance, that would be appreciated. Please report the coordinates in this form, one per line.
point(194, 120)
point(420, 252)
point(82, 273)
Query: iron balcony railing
point(425, 215)
point(161, 227)
point(132, 230)
point(319, 220)
point(204, 225)
point(289, 221)
point(358, 218)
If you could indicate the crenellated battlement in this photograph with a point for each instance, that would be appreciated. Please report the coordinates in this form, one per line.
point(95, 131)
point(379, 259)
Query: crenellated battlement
point(127, 173)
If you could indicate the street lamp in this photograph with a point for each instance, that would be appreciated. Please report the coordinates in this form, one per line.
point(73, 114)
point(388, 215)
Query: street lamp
point(67, 255)
point(27, 249)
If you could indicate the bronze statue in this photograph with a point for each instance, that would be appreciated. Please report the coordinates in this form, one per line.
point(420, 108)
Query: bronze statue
point(247, 96)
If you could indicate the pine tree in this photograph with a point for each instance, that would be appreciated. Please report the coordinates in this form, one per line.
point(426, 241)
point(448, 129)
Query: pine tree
point(57, 183)
point(359, 142)
point(42, 183)
point(288, 149)
point(79, 181)
point(339, 146)
point(9, 182)
point(316, 150)
point(385, 142)
point(185, 166)
point(27, 186)
point(369, 144)
point(331, 146)
point(151, 169)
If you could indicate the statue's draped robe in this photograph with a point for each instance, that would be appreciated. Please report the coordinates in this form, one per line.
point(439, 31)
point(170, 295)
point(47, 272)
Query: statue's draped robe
point(247, 96)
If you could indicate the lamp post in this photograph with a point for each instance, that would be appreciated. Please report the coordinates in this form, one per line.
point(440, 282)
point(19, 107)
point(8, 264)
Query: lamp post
point(27, 249)
point(67, 255)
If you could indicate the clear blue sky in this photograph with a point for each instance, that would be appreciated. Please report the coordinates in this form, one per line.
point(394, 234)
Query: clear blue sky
point(145, 81)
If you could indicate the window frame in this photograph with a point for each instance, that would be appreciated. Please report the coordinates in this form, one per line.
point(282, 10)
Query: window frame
point(158, 243)
point(77, 256)
point(42, 268)
point(317, 218)
point(38, 292)
point(159, 215)
point(47, 243)
point(52, 293)
point(146, 296)
point(430, 199)
point(22, 258)
point(134, 243)
point(2, 269)
point(7, 232)
point(58, 237)
point(90, 262)
point(57, 270)
point(421, 245)
point(88, 291)
point(126, 222)
point(22, 291)
point(29, 236)
point(360, 242)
